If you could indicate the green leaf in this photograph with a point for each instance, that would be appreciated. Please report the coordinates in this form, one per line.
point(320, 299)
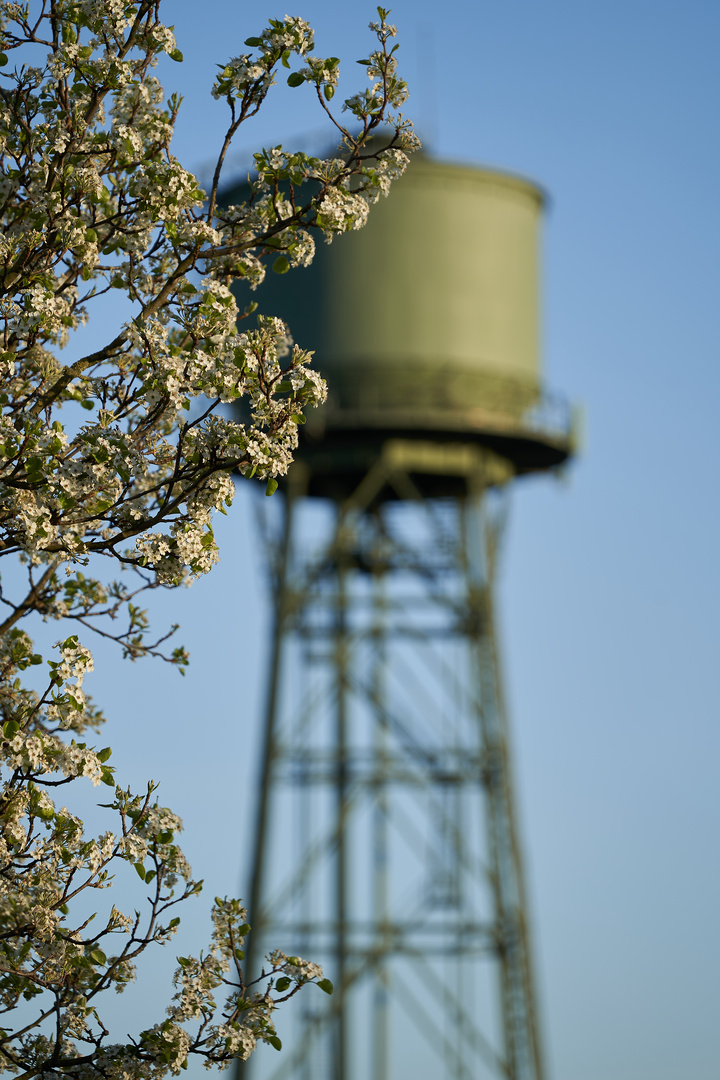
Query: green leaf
point(140, 870)
point(107, 776)
point(326, 986)
point(282, 984)
point(98, 956)
point(281, 265)
point(3, 59)
point(34, 468)
point(10, 728)
point(286, 58)
point(177, 56)
point(271, 486)
point(103, 755)
point(328, 91)
point(274, 1041)
point(253, 42)
point(296, 79)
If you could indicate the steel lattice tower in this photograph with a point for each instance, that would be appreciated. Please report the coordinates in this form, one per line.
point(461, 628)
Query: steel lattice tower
point(387, 841)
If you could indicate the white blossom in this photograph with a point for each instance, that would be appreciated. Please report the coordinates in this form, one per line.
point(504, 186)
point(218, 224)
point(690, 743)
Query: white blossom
point(122, 458)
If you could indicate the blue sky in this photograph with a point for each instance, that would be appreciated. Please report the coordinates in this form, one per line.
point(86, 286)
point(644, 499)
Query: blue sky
point(610, 592)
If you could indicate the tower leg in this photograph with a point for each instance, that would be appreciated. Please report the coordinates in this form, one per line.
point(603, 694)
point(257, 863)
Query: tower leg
point(521, 1035)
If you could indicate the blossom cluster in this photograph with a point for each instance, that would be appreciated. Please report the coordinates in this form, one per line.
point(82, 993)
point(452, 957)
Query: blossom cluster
point(120, 458)
point(47, 860)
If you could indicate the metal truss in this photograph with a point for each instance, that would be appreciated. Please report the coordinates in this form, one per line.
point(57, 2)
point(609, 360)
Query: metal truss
point(386, 842)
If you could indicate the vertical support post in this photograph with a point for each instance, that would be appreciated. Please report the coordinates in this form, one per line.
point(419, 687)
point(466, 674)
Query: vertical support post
point(522, 1050)
point(380, 816)
point(282, 607)
point(343, 541)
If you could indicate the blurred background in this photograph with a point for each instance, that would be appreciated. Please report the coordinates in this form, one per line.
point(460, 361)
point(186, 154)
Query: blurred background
point(609, 589)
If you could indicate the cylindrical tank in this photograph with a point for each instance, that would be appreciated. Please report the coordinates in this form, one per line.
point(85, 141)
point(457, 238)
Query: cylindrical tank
point(427, 318)
point(425, 324)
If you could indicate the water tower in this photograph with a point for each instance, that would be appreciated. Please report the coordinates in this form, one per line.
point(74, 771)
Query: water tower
point(387, 843)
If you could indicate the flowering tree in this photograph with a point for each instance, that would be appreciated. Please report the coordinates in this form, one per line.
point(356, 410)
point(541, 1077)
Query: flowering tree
point(112, 465)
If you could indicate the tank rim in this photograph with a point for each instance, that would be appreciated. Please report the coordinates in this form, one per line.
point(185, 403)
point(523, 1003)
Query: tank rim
point(482, 173)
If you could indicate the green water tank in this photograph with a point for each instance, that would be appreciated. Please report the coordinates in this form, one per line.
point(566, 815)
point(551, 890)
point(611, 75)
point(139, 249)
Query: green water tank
point(426, 321)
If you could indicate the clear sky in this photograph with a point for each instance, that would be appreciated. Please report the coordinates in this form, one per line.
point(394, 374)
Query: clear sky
point(610, 590)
